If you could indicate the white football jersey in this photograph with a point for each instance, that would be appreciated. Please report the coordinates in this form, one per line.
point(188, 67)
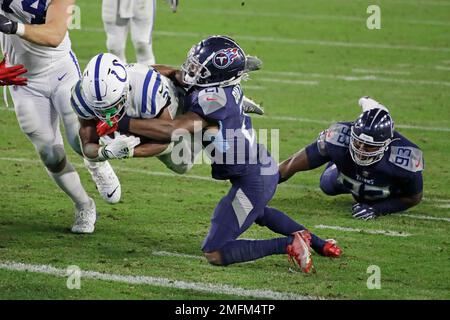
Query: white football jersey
point(150, 93)
point(37, 59)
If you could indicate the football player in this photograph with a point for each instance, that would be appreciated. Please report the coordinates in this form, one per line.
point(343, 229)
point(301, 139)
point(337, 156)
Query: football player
point(136, 15)
point(366, 158)
point(35, 34)
point(213, 71)
point(108, 91)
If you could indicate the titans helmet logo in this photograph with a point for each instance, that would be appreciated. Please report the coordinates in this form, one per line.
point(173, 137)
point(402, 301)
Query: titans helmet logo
point(223, 58)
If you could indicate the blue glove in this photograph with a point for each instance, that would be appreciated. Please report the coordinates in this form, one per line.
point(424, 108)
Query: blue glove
point(364, 212)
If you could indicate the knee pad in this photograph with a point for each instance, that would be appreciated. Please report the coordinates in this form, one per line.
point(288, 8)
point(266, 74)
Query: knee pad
point(144, 53)
point(53, 157)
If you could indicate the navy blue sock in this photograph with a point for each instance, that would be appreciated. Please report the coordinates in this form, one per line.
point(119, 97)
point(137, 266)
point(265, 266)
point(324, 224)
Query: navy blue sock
point(281, 223)
point(247, 250)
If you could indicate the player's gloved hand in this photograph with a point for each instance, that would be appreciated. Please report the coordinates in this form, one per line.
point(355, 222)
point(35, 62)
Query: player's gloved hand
point(7, 26)
point(10, 75)
point(252, 63)
point(364, 212)
point(104, 129)
point(250, 106)
point(120, 147)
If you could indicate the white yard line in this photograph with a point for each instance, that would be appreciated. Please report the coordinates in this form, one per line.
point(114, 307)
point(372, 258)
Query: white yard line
point(293, 82)
point(328, 122)
point(294, 41)
point(353, 78)
point(442, 68)
point(158, 282)
point(376, 71)
point(422, 217)
point(435, 201)
point(177, 255)
point(378, 232)
point(325, 122)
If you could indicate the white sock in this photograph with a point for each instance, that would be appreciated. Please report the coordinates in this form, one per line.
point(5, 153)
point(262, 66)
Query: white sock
point(69, 181)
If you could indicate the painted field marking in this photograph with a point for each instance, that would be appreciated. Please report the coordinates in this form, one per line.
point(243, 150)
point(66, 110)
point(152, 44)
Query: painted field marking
point(442, 68)
point(422, 217)
point(294, 41)
point(352, 77)
point(159, 282)
point(324, 122)
point(434, 201)
point(378, 232)
point(375, 71)
point(177, 255)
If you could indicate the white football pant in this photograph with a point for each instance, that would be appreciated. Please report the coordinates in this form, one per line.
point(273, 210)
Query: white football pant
point(38, 107)
point(135, 15)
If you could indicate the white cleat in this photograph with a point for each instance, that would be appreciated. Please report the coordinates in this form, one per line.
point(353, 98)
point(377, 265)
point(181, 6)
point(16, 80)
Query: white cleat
point(85, 218)
point(108, 185)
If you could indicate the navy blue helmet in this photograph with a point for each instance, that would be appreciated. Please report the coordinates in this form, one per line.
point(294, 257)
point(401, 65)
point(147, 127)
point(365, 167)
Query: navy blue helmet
point(214, 61)
point(371, 135)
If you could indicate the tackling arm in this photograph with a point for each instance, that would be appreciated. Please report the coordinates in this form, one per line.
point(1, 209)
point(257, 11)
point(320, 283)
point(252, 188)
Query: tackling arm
point(92, 149)
point(49, 34)
point(163, 130)
point(170, 72)
point(295, 163)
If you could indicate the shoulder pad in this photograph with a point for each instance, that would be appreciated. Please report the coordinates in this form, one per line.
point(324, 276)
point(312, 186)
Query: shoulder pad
point(78, 104)
point(408, 158)
point(212, 99)
point(338, 134)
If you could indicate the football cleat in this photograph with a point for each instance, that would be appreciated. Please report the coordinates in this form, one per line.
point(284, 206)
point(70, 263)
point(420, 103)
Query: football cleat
point(252, 63)
point(250, 106)
point(299, 250)
point(105, 178)
point(173, 4)
point(331, 249)
point(85, 218)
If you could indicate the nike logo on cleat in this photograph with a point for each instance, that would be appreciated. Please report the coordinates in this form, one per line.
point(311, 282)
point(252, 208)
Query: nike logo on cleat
point(109, 195)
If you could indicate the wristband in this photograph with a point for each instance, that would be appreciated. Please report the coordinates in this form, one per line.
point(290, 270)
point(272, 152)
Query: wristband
point(20, 29)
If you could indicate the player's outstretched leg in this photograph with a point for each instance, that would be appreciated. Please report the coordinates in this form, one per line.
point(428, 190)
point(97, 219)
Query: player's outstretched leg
point(235, 213)
point(40, 123)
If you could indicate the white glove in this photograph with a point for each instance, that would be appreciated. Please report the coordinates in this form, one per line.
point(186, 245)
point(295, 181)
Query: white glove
point(120, 147)
point(367, 103)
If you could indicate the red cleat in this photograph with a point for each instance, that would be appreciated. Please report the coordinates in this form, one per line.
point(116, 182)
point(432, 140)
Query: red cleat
point(331, 249)
point(299, 250)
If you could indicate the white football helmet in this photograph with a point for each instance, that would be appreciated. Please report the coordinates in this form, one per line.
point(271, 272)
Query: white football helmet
point(105, 87)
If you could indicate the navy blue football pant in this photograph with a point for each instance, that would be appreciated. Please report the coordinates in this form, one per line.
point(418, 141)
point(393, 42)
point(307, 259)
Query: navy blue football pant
point(329, 182)
point(245, 204)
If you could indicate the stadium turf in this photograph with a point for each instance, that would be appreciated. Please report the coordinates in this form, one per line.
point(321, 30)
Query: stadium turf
point(319, 59)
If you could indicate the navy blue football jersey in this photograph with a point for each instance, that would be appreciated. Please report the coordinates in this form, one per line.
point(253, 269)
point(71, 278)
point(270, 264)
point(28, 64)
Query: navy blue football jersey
point(233, 148)
point(398, 173)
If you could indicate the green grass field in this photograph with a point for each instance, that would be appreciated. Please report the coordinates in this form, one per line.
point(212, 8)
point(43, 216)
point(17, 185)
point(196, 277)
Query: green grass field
point(319, 59)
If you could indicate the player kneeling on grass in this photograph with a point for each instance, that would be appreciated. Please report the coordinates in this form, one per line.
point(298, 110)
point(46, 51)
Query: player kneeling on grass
point(213, 72)
point(366, 158)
